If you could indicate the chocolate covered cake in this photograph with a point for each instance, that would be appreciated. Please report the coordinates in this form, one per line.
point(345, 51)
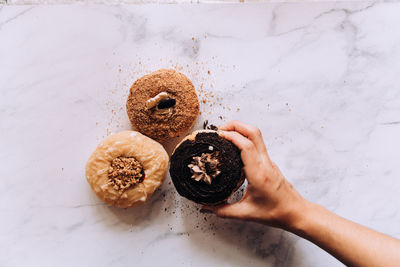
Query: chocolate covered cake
point(206, 168)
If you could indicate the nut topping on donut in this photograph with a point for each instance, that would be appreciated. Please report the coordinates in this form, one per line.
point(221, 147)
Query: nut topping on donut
point(124, 172)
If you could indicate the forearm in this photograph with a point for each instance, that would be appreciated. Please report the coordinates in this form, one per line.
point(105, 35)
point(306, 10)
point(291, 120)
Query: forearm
point(349, 242)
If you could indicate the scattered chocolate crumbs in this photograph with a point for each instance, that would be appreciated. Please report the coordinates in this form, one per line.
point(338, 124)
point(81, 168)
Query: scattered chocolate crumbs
point(212, 127)
point(209, 127)
point(205, 124)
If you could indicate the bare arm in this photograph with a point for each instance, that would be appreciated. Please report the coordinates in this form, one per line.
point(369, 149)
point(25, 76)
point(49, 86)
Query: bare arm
point(272, 200)
point(351, 243)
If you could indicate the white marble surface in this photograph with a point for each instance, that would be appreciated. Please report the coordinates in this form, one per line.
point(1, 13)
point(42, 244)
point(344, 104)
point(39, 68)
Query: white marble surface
point(322, 81)
point(113, 2)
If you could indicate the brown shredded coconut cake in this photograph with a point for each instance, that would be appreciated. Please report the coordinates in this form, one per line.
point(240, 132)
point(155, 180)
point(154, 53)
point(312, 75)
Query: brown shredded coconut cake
point(206, 168)
point(162, 104)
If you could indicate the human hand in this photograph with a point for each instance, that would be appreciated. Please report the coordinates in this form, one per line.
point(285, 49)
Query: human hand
point(272, 200)
point(269, 197)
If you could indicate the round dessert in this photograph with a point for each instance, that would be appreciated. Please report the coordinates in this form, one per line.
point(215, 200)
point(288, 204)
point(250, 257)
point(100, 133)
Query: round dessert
point(126, 168)
point(206, 168)
point(162, 104)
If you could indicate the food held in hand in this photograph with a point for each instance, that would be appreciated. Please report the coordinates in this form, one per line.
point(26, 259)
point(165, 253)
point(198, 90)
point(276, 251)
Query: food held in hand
point(206, 168)
point(126, 168)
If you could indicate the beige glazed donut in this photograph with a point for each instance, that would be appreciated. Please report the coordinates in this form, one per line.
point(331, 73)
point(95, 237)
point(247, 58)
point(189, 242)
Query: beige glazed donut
point(126, 168)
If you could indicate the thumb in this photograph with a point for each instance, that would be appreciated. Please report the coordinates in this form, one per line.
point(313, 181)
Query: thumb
point(234, 210)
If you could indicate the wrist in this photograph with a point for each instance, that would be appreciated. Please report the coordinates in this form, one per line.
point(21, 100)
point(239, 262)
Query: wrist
point(299, 217)
point(308, 219)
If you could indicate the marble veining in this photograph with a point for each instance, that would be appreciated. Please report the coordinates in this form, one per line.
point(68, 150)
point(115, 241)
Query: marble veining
point(321, 80)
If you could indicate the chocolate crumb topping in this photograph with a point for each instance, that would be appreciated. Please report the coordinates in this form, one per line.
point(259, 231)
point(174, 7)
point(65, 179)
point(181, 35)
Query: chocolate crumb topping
point(125, 172)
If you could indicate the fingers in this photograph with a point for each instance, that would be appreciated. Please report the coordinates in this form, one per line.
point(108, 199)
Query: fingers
point(238, 140)
point(247, 148)
point(249, 131)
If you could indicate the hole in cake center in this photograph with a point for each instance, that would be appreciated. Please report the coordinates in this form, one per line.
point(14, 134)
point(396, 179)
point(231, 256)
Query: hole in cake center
point(205, 167)
point(125, 172)
point(161, 105)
